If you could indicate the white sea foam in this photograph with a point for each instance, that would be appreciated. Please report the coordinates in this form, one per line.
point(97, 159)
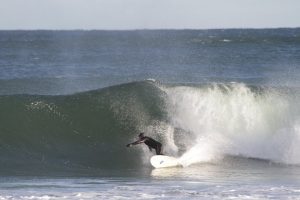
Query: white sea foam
point(236, 120)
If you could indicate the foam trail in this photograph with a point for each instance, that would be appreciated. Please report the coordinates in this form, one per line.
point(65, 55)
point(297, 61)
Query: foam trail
point(204, 150)
point(237, 120)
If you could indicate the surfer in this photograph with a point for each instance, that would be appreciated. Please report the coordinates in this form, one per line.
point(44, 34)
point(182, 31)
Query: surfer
point(150, 142)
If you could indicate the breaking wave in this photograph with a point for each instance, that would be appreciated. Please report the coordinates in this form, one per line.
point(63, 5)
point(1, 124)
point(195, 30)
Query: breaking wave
point(199, 123)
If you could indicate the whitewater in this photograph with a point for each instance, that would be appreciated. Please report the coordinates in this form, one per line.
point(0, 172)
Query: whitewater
point(224, 102)
point(237, 120)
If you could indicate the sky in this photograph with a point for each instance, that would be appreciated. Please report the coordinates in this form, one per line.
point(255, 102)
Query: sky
point(148, 14)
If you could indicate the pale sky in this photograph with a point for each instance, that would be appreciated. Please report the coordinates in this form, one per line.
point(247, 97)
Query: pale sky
point(148, 14)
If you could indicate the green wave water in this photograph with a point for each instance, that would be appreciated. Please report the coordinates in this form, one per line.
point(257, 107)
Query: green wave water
point(79, 131)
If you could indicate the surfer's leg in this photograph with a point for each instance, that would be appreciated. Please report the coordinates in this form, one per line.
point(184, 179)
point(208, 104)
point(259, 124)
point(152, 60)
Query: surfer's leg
point(158, 150)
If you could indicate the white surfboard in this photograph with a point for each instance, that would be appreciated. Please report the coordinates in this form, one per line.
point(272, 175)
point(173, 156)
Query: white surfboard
point(161, 161)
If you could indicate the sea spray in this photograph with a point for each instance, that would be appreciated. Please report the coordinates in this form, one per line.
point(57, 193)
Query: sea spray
point(235, 119)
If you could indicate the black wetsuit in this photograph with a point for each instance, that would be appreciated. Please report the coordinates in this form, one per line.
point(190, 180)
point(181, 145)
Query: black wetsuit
point(151, 143)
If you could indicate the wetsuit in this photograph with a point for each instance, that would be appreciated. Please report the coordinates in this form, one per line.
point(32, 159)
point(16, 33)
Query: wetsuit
point(151, 143)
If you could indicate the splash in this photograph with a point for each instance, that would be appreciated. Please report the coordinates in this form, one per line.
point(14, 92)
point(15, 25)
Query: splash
point(235, 119)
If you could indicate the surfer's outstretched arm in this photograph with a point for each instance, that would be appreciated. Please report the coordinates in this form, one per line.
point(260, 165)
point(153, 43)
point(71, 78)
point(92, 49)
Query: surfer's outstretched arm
point(135, 143)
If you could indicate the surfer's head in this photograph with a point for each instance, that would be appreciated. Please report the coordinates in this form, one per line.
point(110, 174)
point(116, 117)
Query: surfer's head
point(141, 135)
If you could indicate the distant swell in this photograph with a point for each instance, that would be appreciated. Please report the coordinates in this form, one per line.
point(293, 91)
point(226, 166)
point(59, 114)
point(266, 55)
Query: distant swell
point(197, 123)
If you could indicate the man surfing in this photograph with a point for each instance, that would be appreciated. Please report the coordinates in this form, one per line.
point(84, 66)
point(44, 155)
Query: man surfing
point(150, 142)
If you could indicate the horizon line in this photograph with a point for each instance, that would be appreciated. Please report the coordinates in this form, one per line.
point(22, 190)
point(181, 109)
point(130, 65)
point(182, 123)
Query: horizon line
point(152, 29)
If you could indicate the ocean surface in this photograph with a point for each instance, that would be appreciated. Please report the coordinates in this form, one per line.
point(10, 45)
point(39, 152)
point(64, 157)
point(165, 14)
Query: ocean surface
point(225, 102)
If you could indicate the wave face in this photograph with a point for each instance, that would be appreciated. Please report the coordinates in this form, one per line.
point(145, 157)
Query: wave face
point(198, 123)
point(80, 131)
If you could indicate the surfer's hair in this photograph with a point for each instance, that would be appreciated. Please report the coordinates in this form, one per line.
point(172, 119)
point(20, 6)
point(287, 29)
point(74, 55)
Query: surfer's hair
point(141, 135)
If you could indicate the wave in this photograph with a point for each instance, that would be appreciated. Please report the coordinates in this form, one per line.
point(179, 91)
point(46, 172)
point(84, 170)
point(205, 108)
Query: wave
point(199, 123)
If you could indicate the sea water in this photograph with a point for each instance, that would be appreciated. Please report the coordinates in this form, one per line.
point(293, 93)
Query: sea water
point(238, 180)
point(225, 102)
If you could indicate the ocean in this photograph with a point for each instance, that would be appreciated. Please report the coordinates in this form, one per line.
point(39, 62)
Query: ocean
point(225, 102)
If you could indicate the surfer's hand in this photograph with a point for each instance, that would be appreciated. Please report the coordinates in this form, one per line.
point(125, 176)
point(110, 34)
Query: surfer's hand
point(128, 145)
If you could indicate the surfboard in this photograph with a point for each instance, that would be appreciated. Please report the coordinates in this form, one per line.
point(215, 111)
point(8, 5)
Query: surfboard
point(162, 161)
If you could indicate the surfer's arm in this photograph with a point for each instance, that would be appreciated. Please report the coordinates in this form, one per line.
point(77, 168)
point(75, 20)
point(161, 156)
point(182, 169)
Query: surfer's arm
point(135, 143)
